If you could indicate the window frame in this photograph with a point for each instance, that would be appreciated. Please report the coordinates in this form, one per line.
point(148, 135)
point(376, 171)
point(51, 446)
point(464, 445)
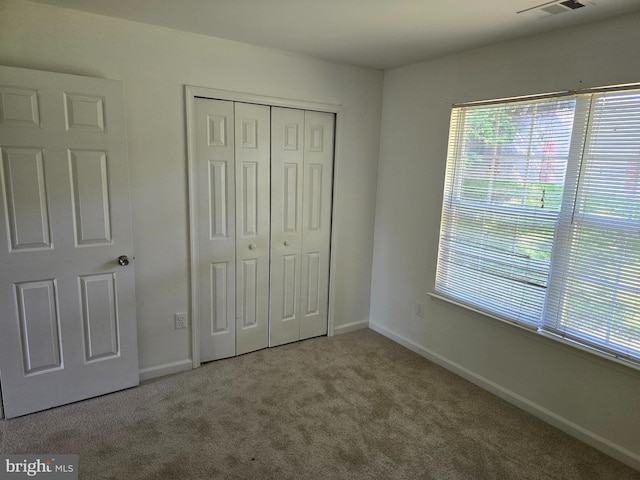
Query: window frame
point(564, 217)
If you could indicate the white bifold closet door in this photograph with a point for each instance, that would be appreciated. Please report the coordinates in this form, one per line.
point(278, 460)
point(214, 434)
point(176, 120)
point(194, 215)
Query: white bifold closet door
point(264, 181)
point(252, 226)
point(233, 147)
point(301, 175)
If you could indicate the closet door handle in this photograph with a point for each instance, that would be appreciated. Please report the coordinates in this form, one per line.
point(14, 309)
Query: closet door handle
point(252, 246)
point(286, 243)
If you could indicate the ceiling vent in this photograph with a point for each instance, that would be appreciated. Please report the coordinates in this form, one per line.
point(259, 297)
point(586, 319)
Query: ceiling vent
point(572, 4)
point(554, 8)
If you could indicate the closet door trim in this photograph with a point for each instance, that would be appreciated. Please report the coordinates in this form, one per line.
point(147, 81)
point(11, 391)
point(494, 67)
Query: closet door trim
point(193, 92)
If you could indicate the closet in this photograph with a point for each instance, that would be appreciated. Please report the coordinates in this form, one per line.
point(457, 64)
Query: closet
point(263, 190)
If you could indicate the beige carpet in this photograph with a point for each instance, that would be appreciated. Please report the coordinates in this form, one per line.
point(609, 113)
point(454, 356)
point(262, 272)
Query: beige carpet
point(356, 406)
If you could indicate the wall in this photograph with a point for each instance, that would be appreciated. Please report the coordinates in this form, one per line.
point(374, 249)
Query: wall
point(154, 64)
point(592, 398)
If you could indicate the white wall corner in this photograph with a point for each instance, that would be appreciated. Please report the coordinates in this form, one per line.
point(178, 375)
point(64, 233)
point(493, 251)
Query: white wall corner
point(350, 327)
point(165, 369)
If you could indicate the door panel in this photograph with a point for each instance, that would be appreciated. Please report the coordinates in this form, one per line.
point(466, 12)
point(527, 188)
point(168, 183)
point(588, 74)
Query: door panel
point(219, 177)
point(252, 125)
point(67, 327)
point(99, 316)
point(316, 222)
point(24, 191)
point(286, 223)
point(215, 148)
point(19, 107)
point(221, 280)
point(313, 294)
point(90, 190)
point(249, 289)
point(39, 325)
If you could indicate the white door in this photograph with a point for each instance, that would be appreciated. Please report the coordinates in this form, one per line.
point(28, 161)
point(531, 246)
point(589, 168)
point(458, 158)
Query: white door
point(253, 138)
point(301, 182)
point(233, 171)
point(67, 325)
point(316, 222)
point(216, 205)
point(287, 171)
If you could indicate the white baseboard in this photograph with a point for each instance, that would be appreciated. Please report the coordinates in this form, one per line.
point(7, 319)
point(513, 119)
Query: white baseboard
point(610, 448)
point(165, 369)
point(350, 327)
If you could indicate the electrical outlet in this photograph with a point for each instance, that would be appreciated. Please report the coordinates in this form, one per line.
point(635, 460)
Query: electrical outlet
point(181, 321)
point(419, 309)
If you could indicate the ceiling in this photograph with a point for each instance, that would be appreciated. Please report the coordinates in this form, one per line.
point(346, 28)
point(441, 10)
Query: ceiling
point(373, 33)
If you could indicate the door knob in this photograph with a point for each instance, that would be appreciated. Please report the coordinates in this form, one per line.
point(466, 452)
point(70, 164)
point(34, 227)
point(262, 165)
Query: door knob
point(252, 246)
point(286, 243)
point(123, 260)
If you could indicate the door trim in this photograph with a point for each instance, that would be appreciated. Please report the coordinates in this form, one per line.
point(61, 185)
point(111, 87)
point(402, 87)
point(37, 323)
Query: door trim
point(193, 92)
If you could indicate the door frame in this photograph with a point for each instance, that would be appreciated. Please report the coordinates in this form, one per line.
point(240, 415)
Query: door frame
point(193, 92)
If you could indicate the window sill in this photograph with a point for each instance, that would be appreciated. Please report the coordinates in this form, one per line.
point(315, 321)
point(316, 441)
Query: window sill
point(576, 348)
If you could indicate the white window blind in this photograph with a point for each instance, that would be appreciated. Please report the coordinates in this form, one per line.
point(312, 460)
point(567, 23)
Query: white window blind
point(595, 292)
point(503, 192)
point(541, 216)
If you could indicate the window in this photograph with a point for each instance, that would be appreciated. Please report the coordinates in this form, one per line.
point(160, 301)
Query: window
point(541, 216)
